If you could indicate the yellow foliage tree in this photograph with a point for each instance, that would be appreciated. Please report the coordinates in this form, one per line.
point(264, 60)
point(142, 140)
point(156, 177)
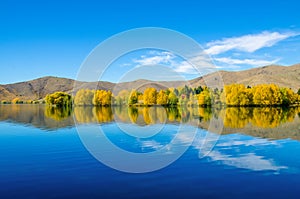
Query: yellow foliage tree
point(267, 95)
point(162, 98)
point(204, 98)
point(102, 98)
point(238, 95)
point(16, 100)
point(149, 96)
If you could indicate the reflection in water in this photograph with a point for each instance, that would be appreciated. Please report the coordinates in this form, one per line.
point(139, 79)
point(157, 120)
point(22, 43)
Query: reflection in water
point(228, 152)
point(57, 113)
point(133, 114)
point(232, 149)
point(84, 114)
point(36, 115)
point(269, 122)
point(268, 117)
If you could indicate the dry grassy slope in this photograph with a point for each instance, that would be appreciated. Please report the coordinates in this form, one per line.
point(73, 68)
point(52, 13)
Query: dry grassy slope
point(281, 75)
point(36, 89)
point(39, 88)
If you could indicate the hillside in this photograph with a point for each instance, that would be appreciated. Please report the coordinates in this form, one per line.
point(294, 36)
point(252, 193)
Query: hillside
point(284, 76)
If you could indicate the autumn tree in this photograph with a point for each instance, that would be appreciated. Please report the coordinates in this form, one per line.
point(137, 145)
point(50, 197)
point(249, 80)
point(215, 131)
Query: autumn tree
point(204, 98)
point(102, 98)
point(267, 95)
point(16, 101)
point(150, 95)
point(238, 95)
point(162, 98)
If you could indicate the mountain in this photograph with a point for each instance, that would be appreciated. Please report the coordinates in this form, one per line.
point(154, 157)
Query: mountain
point(284, 76)
point(39, 88)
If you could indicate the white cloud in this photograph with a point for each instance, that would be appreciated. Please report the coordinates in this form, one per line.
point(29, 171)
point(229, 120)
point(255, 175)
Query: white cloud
point(155, 58)
point(185, 67)
point(252, 62)
point(247, 43)
point(169, 59)
point(247, 161)
point(237, 158)
point(201, 64)
point(151, 144)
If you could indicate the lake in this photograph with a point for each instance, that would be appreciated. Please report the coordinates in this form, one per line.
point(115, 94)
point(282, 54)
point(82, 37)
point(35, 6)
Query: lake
point(149, 152)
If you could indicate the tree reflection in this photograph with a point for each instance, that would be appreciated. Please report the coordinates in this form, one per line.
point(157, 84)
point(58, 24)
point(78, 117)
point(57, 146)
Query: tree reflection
point(84, 114)
point(205, 114)
point(270, 117)
point(173, 114)
point(232, 117)
point(267, 117)
point(133, 114)
point(147, 117)
point(58, 113)
point(103, 114)
point(237, 117)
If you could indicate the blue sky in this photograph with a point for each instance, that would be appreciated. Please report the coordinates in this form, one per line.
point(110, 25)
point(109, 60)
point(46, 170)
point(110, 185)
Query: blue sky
point(42, 38)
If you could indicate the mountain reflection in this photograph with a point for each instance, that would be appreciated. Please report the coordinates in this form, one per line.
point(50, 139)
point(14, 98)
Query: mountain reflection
point(268, 122)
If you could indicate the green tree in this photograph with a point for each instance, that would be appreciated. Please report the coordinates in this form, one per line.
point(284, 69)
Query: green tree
point(172, 99)
point(59, 99)
point(133, 98)
point(198, 90)
point(288, 96)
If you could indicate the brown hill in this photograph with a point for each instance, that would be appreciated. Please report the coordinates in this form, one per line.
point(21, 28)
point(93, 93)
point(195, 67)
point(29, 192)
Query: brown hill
point(35, 89)
point(284, 76)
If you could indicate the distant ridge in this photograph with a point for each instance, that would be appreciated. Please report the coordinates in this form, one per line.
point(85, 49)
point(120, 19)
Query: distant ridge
point(284, 76)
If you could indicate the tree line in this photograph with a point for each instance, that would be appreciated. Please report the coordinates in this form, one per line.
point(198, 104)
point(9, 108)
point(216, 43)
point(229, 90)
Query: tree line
point(231, 95)
point(260, 95)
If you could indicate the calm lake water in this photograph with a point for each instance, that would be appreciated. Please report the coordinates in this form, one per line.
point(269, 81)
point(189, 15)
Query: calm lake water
point(255, 152)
